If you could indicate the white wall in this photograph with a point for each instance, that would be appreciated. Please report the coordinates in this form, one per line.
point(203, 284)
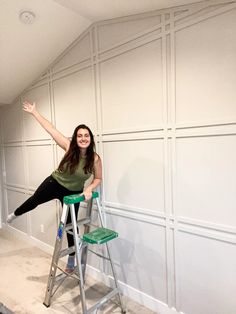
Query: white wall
point(158, 90)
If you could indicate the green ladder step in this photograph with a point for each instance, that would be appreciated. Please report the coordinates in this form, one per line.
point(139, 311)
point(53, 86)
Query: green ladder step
point(77, 198)
point(100, 236)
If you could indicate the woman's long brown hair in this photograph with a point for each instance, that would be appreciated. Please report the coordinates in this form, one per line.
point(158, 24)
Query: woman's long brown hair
point(72, 156)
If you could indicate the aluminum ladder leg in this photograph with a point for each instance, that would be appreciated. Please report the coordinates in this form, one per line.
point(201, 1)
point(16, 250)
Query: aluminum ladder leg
point(54, 280)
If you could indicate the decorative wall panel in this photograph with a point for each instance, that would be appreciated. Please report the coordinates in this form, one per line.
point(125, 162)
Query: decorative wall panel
point(129, 168)
point(14, 163)
point(143, 255)
point(14, 200)
point(206, 174)
point(12, 132)
point(78, 53)
point(44, 215)
point(74, 101)
point(32, 129)
point(206, 270)
point(110, 34)
point(45, 164)
point(134, 95)
point(206, 70)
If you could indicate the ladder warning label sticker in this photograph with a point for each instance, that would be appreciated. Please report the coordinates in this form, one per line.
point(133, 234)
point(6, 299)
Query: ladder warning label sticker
point(60, 231)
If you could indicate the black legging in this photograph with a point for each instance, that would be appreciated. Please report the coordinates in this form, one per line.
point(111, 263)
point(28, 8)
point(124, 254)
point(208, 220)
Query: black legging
point(48, 190)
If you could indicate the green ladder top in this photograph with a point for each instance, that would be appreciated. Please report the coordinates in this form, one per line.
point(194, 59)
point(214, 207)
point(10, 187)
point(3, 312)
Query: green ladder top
point(77, 198)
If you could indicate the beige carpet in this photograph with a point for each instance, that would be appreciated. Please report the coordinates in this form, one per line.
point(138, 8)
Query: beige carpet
point(24, 273)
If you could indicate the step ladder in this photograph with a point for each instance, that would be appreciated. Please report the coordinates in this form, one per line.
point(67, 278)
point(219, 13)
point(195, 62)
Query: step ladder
point(98, 236)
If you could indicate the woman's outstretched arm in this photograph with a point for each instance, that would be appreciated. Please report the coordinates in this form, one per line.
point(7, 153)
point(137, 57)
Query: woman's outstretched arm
point(59, 138)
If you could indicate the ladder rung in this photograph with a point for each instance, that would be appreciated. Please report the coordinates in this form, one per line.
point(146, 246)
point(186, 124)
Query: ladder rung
point(99, 255)
point(64, 275)
point(60, 277)
point(83, 221)
point(103, 300)
point(70, 250)
point(67, 251)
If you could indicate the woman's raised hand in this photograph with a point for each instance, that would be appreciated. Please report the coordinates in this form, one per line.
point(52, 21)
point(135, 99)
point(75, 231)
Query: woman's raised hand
point(29, 107)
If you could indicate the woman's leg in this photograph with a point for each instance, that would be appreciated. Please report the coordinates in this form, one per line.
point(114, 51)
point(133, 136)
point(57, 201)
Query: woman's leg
point(48, 190)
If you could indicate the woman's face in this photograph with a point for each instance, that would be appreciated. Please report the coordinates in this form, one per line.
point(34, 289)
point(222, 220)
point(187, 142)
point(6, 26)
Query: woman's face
point(83, 138)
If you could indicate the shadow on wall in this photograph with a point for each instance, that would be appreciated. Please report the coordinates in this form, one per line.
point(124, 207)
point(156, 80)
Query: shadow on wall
point(140, 266)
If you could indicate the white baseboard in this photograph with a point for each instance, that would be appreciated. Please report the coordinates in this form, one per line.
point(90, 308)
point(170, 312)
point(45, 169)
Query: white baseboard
point(28, 239)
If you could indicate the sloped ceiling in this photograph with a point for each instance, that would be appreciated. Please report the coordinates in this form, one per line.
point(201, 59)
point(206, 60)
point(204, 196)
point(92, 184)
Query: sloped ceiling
point(26, 50)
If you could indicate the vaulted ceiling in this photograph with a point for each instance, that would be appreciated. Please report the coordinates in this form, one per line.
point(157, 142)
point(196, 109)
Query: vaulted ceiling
point(26, 50)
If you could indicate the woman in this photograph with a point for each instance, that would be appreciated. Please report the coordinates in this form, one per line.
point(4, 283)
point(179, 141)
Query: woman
point(78, 164)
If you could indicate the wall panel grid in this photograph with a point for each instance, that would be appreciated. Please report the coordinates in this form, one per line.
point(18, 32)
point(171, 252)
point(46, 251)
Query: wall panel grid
point(158, 91)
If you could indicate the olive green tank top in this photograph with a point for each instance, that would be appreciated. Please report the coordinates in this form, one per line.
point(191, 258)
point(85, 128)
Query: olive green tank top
point(75, 181)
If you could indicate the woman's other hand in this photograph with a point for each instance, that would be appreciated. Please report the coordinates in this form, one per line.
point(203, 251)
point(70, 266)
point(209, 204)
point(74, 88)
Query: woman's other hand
point(87, 194)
